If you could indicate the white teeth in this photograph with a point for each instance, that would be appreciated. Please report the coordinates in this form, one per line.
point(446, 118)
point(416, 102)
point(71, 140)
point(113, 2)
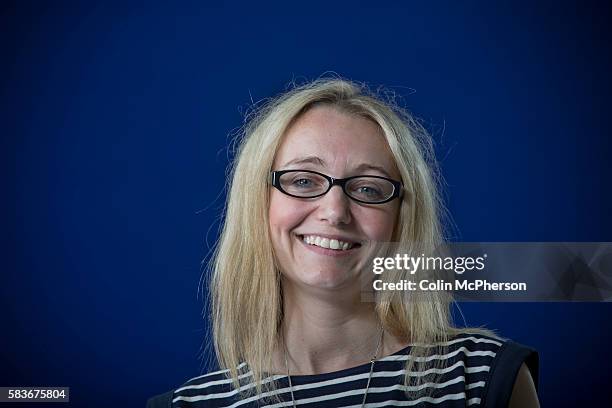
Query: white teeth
point(324, 243)
point(327, 243)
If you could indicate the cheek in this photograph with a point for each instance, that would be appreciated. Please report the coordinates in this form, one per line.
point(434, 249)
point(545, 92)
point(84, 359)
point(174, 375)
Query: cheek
point(380, 226)
point(284, 215)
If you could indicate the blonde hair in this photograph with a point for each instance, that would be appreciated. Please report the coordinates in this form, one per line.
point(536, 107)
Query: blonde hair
point(246, 298)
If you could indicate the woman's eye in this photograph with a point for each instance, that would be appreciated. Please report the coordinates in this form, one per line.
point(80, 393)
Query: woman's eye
point(302, 182)
point(368, 191)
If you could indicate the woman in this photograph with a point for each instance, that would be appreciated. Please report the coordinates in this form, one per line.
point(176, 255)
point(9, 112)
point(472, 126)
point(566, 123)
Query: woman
point(324, 172)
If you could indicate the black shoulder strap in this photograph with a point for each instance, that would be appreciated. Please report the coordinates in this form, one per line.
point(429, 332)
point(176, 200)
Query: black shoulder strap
point(505, 368)
point(161, 401)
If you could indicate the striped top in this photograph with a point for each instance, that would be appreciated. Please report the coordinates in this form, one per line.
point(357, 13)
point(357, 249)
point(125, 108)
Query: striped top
point(479, 371)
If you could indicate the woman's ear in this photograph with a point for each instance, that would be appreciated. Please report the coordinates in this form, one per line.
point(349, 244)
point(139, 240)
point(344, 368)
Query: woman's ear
point(397, 229)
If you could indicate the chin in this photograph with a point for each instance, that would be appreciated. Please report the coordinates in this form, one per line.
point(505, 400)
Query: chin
point(329, 279)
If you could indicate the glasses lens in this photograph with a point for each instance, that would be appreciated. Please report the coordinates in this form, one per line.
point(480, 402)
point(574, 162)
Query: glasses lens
point(303, 184)
point(370, 189)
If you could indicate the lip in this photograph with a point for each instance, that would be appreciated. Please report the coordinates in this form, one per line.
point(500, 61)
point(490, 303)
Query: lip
point(328, 252)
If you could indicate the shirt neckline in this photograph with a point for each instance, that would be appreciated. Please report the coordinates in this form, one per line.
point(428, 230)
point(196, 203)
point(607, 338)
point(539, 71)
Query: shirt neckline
point(343, 372)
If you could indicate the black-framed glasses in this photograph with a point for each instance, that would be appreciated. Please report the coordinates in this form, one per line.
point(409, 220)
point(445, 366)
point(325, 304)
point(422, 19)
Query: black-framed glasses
point(311, 184)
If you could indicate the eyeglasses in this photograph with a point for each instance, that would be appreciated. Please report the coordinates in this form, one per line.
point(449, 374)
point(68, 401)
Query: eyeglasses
point(311, 184)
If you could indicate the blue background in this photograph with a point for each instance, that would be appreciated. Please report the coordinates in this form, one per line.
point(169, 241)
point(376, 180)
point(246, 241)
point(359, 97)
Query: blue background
point(114, 143)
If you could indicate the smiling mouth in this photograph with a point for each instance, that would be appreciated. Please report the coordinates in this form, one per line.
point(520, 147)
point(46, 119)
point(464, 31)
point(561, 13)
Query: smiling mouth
point(327, 243)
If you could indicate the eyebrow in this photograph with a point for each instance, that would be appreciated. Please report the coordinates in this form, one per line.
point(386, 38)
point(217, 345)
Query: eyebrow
point(306, 160)
point(365, 166)
point(320, 162)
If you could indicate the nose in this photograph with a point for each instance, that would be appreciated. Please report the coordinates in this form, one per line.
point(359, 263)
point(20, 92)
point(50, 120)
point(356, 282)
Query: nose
point(334, 207)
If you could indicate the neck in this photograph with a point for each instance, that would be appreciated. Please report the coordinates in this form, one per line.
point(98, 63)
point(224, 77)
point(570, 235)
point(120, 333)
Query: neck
point(327, 333)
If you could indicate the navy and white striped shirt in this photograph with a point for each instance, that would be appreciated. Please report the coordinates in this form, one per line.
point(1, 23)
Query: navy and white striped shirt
point(479, 372)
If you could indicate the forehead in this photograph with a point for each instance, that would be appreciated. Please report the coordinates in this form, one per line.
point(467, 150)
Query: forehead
point(341, 142)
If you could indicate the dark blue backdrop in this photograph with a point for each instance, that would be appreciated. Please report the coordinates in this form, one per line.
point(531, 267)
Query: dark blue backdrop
point(114, 123)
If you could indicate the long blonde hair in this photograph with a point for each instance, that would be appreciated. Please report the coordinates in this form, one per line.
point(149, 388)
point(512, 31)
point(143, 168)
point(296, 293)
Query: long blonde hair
point(246, 298)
